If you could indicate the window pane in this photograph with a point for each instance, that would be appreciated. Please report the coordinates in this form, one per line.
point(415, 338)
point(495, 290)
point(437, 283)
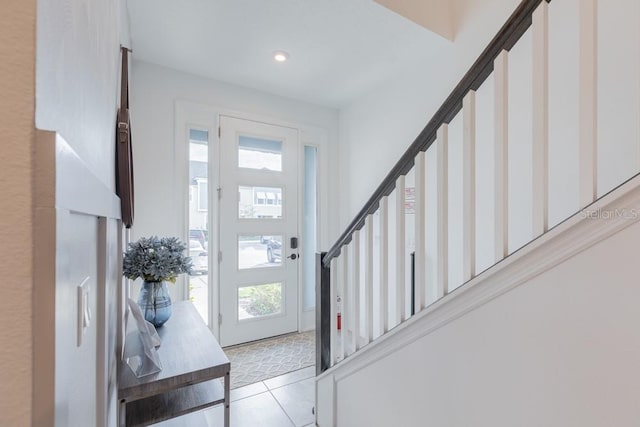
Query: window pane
point(259, 300)
point(309, 231)
point(258, 153)
point(259, 202)
point(259, 251)
point(203, 192)
point(198, 220)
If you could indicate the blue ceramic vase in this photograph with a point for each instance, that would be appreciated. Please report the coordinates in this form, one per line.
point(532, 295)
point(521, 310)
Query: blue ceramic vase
point(155, 302)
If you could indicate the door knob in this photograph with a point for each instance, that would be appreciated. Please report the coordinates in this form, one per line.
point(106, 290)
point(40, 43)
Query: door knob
point(293, 256)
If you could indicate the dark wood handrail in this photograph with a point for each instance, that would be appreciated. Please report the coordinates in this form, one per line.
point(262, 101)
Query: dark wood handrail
point(509, 34)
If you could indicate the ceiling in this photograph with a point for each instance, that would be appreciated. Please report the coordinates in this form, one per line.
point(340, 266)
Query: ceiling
point(339, 49)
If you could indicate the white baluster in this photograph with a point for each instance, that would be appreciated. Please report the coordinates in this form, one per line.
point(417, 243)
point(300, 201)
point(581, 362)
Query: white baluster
point(420, 257)
point(501, 155)
point(469, 186)
point(333, 341)
point(588, 102)
point(384, 264)
point(368, 277)
point(442, 144)
point(343, 264)
point(356, 290)
point(540, 119)
point(400, 251)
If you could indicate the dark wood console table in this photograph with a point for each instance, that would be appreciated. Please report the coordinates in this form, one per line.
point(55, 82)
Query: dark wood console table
point(192, 365)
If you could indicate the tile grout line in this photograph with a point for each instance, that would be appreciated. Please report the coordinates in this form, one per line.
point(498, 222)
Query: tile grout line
point(251, 395)
point(267, 388)
point(278, 402)
point(281, 407)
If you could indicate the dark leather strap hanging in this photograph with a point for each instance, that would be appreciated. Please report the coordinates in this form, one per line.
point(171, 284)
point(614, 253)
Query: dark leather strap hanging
point(124, 151)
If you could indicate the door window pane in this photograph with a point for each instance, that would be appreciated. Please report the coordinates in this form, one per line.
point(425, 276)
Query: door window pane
point(198, 220)
point(259, 251)
point(258, 153)
point(259, 202)
point(259, 300)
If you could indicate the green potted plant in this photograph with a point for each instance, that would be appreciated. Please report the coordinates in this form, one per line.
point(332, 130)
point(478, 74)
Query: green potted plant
point(156, 261)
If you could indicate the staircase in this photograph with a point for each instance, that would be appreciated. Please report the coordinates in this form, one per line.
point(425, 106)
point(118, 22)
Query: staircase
point(451, 233)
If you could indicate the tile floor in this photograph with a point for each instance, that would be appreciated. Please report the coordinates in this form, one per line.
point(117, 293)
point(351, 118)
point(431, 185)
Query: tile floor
point(284, 401)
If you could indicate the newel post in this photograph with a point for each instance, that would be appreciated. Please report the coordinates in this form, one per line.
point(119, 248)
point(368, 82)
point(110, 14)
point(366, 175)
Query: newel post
point(323, 314)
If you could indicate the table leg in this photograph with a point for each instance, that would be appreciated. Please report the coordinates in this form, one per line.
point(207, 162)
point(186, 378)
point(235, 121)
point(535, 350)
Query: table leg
point(227, 402)
point(122, 415)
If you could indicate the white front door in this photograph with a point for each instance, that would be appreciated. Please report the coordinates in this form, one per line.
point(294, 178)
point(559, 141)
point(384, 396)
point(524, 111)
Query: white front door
point(258, 229)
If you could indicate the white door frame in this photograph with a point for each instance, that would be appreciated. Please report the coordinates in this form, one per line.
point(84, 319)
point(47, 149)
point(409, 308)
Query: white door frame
point(190, 114)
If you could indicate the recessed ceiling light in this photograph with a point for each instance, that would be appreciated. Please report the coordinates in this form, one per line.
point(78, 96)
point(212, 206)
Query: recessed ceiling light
point(280, 56)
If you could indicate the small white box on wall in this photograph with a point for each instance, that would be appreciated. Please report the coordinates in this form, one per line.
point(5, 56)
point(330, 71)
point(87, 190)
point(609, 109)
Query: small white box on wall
point(84, 309)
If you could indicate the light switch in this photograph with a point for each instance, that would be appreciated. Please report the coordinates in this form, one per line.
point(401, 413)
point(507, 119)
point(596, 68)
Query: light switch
point(84, 309)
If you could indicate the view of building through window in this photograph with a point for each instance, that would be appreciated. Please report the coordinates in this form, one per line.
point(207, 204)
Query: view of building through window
point(259, 202)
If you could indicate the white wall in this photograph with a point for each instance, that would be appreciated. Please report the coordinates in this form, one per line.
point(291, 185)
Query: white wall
point(78, 76)
point(75, 366)
point(17, 74)
point(77, 91)
point(560, 349)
